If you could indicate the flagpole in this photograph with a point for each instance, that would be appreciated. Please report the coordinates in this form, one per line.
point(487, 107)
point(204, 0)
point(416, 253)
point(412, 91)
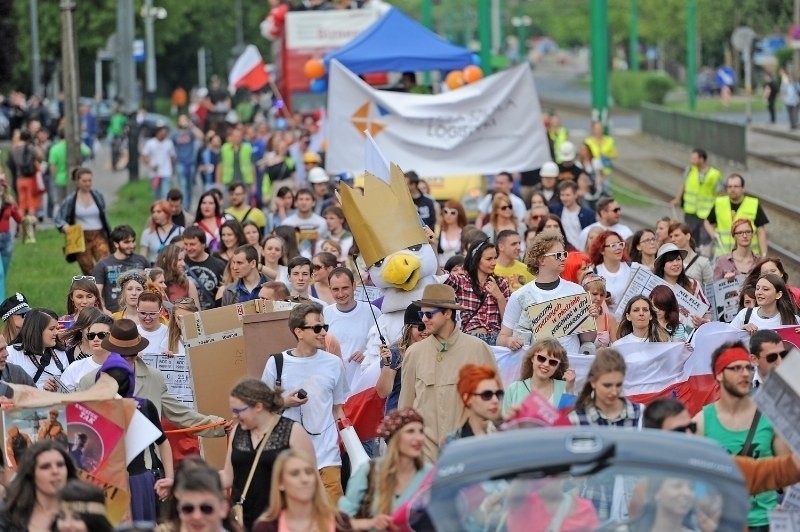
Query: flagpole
point(280, 96)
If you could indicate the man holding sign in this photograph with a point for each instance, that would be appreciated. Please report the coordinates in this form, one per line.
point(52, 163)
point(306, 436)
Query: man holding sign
point(545, 259)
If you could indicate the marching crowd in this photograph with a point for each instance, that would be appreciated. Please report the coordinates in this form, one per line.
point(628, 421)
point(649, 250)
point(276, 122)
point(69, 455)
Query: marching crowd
point(269, 225)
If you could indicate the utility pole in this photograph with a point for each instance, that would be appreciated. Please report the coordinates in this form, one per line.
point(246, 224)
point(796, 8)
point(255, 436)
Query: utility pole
point(202, 76)
point(599, 59)
point(485, 34)
point(239, 27)
point(633, 50)
point(796, 55)
point(36, 59)
point(691, 53)
point(69, 63)
point(150, 50)
point(127, 81)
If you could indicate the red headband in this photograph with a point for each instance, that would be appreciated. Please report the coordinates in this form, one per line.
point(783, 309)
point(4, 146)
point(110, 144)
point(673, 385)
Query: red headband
point(729, 356)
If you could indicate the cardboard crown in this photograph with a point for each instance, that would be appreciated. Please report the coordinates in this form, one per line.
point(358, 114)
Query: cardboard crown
point(383, 219)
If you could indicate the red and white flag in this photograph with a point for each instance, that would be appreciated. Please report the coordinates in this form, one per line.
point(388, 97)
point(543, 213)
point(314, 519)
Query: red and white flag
point(249, 71)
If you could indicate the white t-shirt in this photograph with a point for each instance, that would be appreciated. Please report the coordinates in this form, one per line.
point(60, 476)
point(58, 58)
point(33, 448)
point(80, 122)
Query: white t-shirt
point(155, 243)
point(755, 319)
point(616, 283)
point(312, 230)
point(622, 230)
point(51, 370)
point(162, 348)
point(351, 328)
point(517, 319)
point(322, 376)
point(629, 339)
point(572, 225)
point(516, 203)
point(156, 338)
point(160, 154)
point(78, 370)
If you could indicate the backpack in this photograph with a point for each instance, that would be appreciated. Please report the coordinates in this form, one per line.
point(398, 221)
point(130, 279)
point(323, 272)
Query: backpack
point(27, 166)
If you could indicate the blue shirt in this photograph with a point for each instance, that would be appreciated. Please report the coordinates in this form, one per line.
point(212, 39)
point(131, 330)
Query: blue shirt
point(183, 141)
point(243, 294)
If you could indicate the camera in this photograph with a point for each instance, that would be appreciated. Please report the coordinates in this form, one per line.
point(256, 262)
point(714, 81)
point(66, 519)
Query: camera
point(301, 394)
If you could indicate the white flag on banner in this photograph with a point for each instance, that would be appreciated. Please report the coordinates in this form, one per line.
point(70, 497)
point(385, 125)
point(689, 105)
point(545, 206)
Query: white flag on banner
point(374, 161)
point(485, 127)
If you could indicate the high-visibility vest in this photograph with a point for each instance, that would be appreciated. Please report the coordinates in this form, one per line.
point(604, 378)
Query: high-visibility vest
point(557, 138)
point(245, 163)
point(605, 150)
point(725, 218)
point(700, 191)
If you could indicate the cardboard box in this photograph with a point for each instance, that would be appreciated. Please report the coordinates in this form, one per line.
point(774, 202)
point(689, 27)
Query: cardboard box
point(216, 347)
point(264, 335)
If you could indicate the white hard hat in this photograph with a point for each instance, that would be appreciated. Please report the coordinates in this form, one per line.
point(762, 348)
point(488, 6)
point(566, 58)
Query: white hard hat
point(318, 175)
point(549, 169)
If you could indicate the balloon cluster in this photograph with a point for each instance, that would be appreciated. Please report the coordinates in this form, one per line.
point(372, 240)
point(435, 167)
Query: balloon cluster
point(458, 78)
point(315, 70)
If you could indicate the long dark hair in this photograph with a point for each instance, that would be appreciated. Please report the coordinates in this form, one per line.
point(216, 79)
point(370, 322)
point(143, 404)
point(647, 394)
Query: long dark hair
point(290, 247)
point(84, 494)
point(86, 318)
point(655, 333)
point(664, 299)
point(21, 497)
point(683, 281)
point(554, 218)
point(198, 216)
point(30, 338)
point(87, 286)
point(755, 273)
point(238, 232)
point(785, 303)
point(636, 255)
point(472, 261)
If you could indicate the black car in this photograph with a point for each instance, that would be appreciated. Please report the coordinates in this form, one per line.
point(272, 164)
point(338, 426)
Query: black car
point(580, 479)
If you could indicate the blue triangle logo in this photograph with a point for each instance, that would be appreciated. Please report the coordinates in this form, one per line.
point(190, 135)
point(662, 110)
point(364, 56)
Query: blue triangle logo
point(382, 111)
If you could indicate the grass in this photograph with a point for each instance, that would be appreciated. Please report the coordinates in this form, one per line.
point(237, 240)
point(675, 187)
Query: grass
point(626, 196)
point(714, 105)
point(40, 272)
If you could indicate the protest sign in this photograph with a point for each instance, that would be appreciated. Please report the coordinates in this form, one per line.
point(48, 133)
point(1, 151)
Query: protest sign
point(723, 297)
point(789, 335)
point(779, 399)
point(791, 498)
point(561, 317)
point(177, 375)
point(642, 281)
point(367, 294)
point(784, 521)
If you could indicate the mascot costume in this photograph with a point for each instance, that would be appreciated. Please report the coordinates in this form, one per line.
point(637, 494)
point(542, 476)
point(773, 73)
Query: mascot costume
point(400, 260)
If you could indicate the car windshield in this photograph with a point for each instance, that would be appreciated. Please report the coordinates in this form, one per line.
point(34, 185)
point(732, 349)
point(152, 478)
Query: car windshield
point(613, 498)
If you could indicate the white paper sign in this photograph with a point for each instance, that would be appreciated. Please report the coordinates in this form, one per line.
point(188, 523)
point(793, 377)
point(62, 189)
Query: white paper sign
point(779, 399)
point(724, 298)
point(791, 499)
point(177, 375)
point(140, 434)
point(642, 281)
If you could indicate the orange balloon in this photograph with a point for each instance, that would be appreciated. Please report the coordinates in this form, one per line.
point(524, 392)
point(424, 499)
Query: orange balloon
point(314, 69)
point(454, 80)
point(473, 73)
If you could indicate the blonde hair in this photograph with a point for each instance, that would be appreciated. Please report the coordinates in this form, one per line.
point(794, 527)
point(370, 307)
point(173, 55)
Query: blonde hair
point(386, 476)
point(174, 328)
point(499, 199)
point(323, 512)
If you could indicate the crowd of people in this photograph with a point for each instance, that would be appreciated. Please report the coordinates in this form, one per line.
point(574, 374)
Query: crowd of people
point(268, 225)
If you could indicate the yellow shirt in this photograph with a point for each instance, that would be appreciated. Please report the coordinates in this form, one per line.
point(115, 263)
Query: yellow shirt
point(517, 274)
point(255, 215)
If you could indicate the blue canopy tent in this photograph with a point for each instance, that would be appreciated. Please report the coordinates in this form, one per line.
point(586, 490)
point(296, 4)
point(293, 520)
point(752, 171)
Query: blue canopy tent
point(397, 43)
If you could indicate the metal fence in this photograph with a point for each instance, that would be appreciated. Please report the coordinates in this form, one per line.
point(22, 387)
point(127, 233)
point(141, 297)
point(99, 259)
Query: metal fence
point(718, 137)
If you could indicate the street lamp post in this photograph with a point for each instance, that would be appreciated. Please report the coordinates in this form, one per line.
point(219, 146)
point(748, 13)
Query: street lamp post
point(691, 53)
point(150, 14)
point(521, 24)
point(599, 59)
point(485, 34)
point(633, 45)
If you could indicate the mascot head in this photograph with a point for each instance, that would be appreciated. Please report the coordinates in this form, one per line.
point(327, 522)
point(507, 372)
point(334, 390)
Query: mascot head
point(387, 230)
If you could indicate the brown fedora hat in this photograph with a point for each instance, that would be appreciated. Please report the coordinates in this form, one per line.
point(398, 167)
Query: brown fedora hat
point(124, 338)
point(439, 296)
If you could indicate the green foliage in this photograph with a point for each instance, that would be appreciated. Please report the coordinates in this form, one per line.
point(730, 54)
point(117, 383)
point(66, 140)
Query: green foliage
point(39, 270)
point(630, 89)
point(784, 56)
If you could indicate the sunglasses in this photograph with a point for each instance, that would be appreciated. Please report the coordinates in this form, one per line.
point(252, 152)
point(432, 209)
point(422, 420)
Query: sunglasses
point(449, 211)
point(429, 313)
point(84, 278)
point(691, 427)
point(93, 335)
point(316, 267)
point(552, 362)
point(418, 326)
point(559, 255)
point(316, 328)
point(505, 207)
point(772, 357)
point(617, 210)
point(488, 394)
point(615, 245)
point(188, 509)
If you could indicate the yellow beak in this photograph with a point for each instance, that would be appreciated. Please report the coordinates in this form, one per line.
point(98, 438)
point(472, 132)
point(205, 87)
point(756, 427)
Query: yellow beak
point(402, 270)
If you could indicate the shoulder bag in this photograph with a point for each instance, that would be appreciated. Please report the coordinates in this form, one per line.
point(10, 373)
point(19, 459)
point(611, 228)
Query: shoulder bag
point(238, 507)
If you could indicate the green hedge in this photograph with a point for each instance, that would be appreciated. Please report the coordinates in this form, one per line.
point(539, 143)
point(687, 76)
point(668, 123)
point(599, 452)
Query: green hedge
point(630, 89)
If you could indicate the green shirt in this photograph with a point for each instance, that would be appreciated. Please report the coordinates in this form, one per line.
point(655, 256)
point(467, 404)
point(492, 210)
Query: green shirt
point(57, 158)
point(519, 390)
point(116, 124)
point(733, 442)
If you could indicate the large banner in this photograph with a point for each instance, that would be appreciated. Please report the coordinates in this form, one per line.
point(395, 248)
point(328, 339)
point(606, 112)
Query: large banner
point(482, 128)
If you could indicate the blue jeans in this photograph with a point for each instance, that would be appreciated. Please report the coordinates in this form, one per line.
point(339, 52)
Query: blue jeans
point(185, 182)
point(372, 447)
point(161, 188)
point(6, 249)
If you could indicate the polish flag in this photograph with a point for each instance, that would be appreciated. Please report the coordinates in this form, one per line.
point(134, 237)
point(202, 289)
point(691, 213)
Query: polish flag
point(363, 407)
point(659, 369)
point(249, 71)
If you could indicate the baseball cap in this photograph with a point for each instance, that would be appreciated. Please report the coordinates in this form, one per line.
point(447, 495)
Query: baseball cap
point(312, 158)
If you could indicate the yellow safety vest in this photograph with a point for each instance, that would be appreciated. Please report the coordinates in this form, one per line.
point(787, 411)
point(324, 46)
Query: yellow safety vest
point(747, 211)
point(557, 138)
point(700, 191)
point(605, 149)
